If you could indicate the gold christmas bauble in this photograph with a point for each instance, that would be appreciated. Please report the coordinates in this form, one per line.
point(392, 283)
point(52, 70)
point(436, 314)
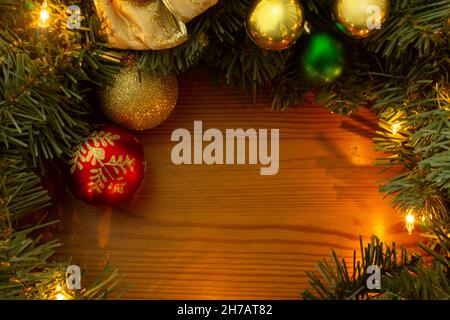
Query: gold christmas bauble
point(359, 18)
point(139, 101)
point(275, 24)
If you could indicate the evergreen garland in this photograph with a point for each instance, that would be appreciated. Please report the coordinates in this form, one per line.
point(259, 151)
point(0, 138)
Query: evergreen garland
point(401, 73)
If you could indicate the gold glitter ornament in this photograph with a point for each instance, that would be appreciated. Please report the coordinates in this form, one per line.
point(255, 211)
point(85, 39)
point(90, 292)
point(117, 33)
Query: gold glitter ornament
point(139, 102)
point(275, 24)
point(359, 18)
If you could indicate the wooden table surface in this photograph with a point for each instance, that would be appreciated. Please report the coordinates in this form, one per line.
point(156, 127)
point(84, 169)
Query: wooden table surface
point(225, 231)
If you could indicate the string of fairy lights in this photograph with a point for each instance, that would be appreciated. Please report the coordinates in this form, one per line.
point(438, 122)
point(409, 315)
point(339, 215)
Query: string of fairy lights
point(410, 218)
point(44, 15)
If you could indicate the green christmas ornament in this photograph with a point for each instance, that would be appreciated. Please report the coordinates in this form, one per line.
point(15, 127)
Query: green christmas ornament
point(323, 59)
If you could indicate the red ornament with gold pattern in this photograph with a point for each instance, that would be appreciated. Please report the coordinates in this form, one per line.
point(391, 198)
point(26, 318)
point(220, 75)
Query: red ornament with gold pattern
point(108, 167)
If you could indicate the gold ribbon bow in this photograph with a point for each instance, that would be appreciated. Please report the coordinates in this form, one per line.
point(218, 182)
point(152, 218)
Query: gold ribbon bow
point(148, 24)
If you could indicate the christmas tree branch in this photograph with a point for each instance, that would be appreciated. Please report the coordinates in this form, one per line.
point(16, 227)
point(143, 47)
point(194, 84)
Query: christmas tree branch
point(403, 276)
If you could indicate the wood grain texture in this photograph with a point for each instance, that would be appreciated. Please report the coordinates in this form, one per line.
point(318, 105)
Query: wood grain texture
point(225, 231)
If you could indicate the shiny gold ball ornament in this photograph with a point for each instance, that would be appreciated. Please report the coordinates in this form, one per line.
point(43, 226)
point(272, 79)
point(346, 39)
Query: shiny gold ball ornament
point(359, 18)
point(275, 24)
point(139, 101)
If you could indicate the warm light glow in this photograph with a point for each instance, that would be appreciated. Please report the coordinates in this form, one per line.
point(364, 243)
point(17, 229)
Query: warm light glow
point(276, 10)
point(410, 222)
point(395, 128)
point(60, 294)
point(44, 15)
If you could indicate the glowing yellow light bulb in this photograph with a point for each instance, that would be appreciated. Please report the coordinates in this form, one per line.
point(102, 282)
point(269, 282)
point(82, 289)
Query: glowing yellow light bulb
point(60, 295)
point(410, 219)
point(395, 127)
point(44, 15)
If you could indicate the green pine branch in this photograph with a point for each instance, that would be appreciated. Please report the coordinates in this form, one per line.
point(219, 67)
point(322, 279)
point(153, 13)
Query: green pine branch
point(403, 276)
point(43, 113)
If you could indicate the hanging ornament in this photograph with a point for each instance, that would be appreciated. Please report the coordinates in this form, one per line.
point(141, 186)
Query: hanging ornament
point(139, 101)
point(275, 24)
point(322, 59)
point(360, 18)
point(107, 168)
point(148, 24)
